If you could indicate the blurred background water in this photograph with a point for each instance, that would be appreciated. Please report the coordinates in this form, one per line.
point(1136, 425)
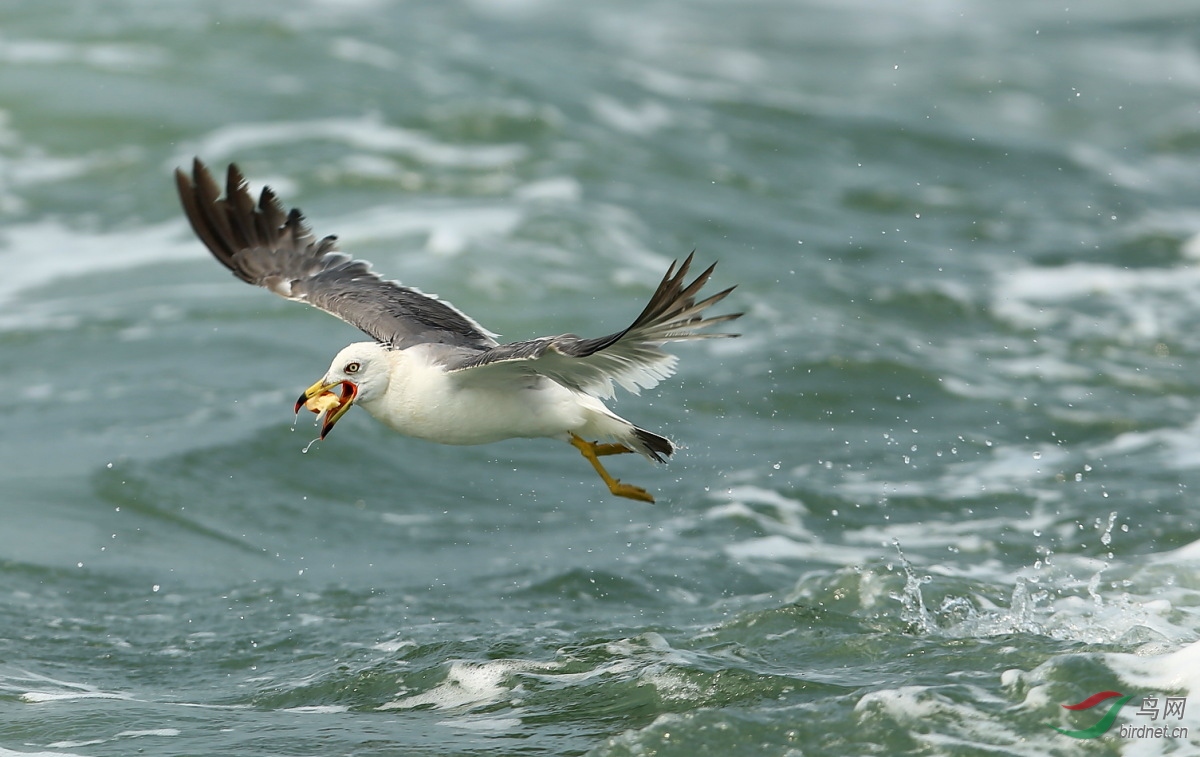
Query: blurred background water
point(941, 486)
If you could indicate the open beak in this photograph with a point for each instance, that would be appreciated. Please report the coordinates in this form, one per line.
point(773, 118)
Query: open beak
point(320, 398)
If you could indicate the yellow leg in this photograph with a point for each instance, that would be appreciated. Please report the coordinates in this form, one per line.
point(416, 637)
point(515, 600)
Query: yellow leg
point(591, 452)
point(608, 449)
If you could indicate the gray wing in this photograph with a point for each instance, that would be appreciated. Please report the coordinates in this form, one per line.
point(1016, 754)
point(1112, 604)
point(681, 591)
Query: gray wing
point(632, 357)
point(263, 245)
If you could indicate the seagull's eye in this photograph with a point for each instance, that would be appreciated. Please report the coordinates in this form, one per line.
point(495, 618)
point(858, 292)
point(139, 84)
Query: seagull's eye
point(352, 368)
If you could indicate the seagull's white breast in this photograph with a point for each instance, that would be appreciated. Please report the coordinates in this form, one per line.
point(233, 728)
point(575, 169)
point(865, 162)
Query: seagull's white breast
point(423, 401)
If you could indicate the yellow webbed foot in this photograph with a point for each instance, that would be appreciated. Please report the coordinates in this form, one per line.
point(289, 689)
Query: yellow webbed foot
point(591, 451)
point(630, 491)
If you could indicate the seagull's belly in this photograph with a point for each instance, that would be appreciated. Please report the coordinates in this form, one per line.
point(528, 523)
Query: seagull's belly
point(443, 412)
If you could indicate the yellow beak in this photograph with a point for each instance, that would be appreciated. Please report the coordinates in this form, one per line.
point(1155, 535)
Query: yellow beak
point(321, 399)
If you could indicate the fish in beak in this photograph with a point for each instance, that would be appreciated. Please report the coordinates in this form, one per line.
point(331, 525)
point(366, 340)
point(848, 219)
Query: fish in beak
point(329, 405)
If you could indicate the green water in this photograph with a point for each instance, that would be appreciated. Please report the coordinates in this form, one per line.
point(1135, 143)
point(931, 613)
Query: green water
point(941, 486)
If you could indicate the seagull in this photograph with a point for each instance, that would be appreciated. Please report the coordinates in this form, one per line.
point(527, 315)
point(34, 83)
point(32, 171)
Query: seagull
point(431, 372)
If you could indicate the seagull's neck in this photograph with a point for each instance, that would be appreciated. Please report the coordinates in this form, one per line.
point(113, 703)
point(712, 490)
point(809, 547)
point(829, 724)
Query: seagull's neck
point(407, 371)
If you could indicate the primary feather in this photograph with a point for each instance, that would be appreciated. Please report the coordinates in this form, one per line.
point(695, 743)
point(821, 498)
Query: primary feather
point(266, 247)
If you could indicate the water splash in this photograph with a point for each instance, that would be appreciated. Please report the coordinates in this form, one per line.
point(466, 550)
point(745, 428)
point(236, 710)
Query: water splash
point(912, 602)
point(1071, 601)
point(1023, 608)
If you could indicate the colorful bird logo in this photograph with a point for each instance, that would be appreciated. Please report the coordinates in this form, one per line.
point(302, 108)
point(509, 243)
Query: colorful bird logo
point(1105, 723)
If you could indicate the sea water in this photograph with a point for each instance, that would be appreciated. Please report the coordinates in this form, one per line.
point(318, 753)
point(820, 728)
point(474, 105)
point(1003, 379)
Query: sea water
point(940, 488)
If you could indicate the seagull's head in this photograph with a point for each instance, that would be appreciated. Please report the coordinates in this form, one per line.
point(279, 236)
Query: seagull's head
point(358, 373)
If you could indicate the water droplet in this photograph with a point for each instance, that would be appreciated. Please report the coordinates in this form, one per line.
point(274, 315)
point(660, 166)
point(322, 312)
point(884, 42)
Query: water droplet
point(1106, 537)
point(1037, 455)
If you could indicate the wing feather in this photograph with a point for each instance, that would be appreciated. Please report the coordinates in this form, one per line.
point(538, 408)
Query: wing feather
point(268, 247)
point(632, 357)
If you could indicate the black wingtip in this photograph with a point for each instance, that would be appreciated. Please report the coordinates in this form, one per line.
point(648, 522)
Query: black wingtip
point(201, 176)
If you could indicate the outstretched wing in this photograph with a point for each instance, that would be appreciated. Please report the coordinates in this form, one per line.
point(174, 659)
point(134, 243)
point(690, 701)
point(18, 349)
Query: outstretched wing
point(275, 250)
point(632, 358)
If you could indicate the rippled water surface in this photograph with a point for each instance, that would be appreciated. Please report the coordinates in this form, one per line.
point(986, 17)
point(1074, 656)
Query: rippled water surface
point(944, 484)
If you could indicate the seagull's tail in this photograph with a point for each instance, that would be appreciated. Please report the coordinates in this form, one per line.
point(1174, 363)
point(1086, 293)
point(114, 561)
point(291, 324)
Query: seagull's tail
point(603, 424)
point(657, 448)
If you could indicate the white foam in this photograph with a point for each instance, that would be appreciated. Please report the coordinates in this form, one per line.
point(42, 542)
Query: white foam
point(469, 684)
point(393, 646)
point(483, 724)
point(1187, 553)
point(13, 753)
point(1172, 671)
point(59, 696)
point(672, 685)
point(147, 732)
point(46, 52)
point(358, 51)
point(1149, 674)
point(774, 512)
point(121, 735)
point(368, 132)
point(931, 717)
point(54, 690)
point(641, 120)
point(778, 547)
point(965, 535)
point(406, 520)
point(759, 495)
point(1005, 468)
point(1172, 447)
point(450, 228)
point(1042, 297)
point(553, 189)
point(63, 252)
point(782, 518)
